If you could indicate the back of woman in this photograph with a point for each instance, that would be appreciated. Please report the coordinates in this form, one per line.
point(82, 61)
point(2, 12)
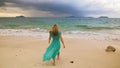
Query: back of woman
point(57, 37)
point(54, 47)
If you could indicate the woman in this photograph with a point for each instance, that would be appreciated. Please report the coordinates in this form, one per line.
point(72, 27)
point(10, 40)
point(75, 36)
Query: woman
point(54, 47)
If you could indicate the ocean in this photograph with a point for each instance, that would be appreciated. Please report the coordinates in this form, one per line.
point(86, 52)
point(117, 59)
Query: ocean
point(90, 28)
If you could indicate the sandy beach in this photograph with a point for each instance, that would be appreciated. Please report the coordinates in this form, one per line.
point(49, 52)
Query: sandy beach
point(27, 52)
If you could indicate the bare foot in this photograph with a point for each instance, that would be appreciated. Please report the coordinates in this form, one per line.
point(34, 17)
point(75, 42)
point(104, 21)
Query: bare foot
point(58, 58)
point(53, 64)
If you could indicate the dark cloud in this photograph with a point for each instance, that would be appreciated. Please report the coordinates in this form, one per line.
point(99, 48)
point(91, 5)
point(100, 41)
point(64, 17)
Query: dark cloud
point(52, 7)
point(55, 8)
point(2, 2)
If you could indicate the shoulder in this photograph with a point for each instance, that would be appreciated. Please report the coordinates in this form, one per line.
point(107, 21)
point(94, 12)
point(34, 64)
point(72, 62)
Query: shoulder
point(50, 33)
point(59, 32)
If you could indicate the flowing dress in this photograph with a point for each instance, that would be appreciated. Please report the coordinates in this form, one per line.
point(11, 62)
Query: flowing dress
point(54, 47)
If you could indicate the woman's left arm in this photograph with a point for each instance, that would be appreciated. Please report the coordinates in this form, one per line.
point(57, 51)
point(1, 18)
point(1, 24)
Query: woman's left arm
point(49, 39)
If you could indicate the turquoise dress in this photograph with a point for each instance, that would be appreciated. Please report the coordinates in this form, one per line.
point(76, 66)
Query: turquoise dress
point(54, 47)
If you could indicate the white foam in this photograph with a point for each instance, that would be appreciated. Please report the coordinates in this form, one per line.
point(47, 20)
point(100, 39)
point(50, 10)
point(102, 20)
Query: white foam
point(43, 34)
point(23, 32)
point(93, 34)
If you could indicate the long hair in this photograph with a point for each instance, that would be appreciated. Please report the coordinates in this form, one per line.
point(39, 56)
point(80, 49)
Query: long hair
point(55, 29)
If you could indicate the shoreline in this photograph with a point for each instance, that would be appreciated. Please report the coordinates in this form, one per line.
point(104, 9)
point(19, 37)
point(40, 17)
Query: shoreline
point(27, 52)
point(42, 33)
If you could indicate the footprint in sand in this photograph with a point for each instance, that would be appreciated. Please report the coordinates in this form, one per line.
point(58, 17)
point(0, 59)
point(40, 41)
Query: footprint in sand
point(19, 52)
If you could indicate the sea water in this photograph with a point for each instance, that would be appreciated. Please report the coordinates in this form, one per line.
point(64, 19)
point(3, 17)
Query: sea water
point(90, 28)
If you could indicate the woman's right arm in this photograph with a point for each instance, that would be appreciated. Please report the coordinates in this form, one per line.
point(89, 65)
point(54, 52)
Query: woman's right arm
point(62, 41)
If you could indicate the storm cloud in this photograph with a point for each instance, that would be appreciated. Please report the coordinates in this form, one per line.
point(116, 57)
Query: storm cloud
point(55, 8)
point(59, 7)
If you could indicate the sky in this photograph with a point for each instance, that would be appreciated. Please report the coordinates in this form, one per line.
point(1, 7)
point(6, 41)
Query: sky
point(60, 8)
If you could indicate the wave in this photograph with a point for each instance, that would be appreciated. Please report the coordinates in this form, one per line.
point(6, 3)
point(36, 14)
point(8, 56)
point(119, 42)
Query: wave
point(97, 27)
point(104, 34)
point(43, 34)
point(40, 33)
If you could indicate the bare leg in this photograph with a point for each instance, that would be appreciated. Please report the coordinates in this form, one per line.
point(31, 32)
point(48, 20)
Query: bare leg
point(54, 61)
point(58, 56)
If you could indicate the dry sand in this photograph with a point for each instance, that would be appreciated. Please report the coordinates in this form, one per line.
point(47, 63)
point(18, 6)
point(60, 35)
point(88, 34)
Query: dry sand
point(27, 52)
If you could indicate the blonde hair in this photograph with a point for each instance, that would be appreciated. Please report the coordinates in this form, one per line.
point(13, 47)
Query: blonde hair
point(55, 29)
